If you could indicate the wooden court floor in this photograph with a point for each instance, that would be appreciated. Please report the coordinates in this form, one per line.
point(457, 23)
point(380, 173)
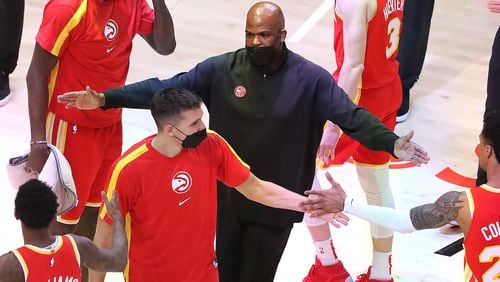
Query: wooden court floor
point(446, 109)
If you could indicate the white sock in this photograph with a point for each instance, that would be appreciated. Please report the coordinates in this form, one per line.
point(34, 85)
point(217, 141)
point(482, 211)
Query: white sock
point(325, 253)
point(381, 266)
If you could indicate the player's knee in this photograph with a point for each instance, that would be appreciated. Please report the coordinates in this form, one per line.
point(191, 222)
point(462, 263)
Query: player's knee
point(380, 232)
point(383, 198)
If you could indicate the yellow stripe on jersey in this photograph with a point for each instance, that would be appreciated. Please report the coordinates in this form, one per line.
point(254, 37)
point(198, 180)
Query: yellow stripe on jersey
point(470, 199)
point(128, 231)
point(74, 21)
point(75, 248)
point(23, 264)
point(118, 169)
point(490, 189)
point(230, 148)
point(52, 81)
point(372, 165)
point(43, 251)
point(468, 273)
point(49, 125)
point(62, 131)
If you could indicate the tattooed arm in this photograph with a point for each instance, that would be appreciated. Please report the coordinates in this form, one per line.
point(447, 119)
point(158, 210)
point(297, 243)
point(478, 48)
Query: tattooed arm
point(450, 206)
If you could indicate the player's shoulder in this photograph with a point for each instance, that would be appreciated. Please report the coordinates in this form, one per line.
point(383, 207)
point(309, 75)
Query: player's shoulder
point(10, 268)
point(133, 156)
point(64, 10)
point(68, 5)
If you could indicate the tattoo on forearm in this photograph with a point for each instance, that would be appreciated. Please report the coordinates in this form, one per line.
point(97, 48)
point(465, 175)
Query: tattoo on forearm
point(444, 210)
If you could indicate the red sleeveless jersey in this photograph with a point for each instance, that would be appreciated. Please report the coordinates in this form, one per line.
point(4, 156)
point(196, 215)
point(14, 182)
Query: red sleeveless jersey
point(59, 264)
point(380, 66)
point(482, 242)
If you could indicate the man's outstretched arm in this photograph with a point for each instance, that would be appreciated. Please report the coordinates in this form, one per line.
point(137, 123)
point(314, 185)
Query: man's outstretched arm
point(101, 259)
point(450, 206)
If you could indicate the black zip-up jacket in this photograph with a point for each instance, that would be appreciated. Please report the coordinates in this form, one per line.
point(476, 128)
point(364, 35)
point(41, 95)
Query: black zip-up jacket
point(275, 126)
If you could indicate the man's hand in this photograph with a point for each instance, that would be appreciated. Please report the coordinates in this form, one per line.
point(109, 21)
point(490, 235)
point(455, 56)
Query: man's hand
point(336, 219)
point(327, 201)
point(113, 207)
point(406, 150)
point(494, 6)
point(38, 155)
point(326, 150)
point(87, 99)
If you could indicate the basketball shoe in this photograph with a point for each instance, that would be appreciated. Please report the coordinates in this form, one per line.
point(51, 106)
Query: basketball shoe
point(328, 273)
point(365, 277)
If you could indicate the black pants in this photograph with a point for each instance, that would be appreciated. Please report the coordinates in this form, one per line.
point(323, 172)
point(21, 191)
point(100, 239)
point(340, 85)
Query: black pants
point(493, 91)
point(11, 26)
point(246, 251)
point(413, 41)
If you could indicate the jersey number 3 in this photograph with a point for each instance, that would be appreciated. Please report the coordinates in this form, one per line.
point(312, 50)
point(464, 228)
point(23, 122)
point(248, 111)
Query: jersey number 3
point(393, 30)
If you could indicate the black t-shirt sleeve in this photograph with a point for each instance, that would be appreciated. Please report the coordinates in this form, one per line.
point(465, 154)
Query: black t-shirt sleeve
point(336, 106)
point(139, 94)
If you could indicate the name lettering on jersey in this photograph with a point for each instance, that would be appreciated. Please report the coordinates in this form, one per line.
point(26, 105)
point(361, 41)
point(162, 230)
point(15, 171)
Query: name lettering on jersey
point(392, 6)
point(181, 182)
point(61, 279)
point(491, 231)
point(110, 30)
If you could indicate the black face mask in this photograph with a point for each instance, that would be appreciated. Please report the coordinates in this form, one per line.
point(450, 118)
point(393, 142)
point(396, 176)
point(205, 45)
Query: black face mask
point(193, 140)
point(261, 56)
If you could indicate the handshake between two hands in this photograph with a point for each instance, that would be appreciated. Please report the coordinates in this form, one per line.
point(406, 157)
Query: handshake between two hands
point(327, 204)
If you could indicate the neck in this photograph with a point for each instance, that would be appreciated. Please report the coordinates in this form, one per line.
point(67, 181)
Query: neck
point(493, 174)
point(37, 237)
point(166, 145)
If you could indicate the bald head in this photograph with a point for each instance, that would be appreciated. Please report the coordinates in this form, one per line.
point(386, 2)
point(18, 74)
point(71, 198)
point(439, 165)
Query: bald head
point(266, 14)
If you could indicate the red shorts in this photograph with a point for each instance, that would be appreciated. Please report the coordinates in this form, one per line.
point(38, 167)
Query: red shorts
point(90, 152)
point(383, 102)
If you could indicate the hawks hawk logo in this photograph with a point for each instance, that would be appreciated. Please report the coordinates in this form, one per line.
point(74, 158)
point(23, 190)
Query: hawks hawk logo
point(181, 182)
point(111, 30)
point(240, 91)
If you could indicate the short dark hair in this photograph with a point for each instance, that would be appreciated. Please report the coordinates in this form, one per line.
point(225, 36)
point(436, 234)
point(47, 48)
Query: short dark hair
point(35, 204)
point(491, 131)
point(167, 104)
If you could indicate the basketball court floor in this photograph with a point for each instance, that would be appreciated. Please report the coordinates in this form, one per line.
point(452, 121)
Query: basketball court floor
point(446, 114)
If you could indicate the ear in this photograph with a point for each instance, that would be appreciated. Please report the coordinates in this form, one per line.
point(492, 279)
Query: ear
point(283, 35)
point(488, 150)
point(168, 129)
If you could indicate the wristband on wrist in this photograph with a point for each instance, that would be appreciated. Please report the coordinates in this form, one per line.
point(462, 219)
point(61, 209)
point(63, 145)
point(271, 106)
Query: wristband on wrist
point(348, 202)
point(39, 142)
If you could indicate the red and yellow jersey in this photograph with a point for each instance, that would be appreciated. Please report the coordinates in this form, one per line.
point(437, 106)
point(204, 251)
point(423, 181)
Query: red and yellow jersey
point(169, 206)
point(482, 242)
point(380, 66)
point(61, 263)
point(92, 40)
